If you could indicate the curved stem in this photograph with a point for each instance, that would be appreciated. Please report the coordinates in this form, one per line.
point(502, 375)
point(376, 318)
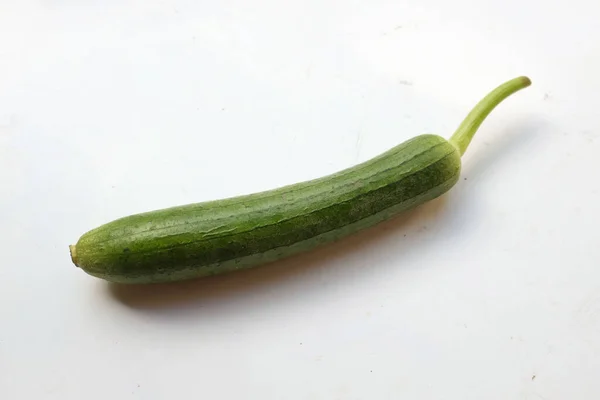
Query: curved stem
point(465, 132)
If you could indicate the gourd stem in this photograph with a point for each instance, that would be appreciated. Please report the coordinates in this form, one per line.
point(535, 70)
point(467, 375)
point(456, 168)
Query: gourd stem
point(467, 129)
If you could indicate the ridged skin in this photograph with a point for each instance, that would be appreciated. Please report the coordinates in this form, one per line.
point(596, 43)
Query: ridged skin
point(220, 236)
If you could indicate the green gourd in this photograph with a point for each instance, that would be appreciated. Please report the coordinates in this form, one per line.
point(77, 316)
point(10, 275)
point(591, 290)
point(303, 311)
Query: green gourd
point(214, 237)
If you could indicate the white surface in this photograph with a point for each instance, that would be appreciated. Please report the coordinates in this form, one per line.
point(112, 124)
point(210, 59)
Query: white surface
point(109, 108)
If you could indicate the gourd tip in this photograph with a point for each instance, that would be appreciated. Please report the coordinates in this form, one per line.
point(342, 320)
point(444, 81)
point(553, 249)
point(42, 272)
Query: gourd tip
point(73, 251)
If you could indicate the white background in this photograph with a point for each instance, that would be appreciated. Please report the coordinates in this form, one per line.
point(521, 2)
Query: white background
point(109, 108)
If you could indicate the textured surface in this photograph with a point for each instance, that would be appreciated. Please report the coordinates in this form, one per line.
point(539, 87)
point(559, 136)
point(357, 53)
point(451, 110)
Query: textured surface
point(223, 235)
point(113, 107)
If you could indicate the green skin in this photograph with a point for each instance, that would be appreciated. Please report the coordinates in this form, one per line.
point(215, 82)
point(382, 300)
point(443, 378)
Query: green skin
point(220, 236)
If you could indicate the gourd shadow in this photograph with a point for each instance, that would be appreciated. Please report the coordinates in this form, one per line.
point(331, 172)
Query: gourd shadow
point(406, 233)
